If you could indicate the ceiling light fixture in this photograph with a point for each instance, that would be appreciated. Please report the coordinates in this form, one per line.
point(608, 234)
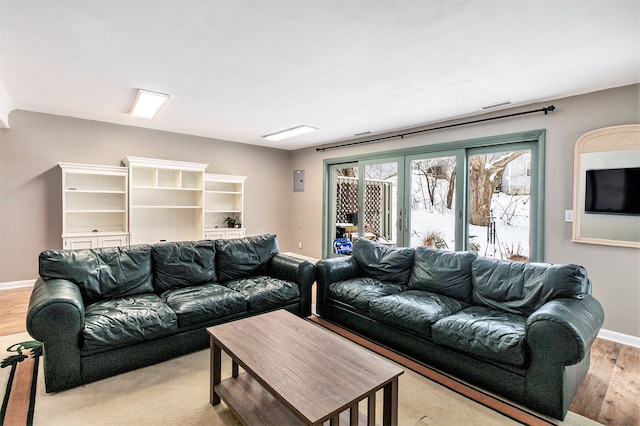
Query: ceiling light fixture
point(289, 133)
point(147, 104)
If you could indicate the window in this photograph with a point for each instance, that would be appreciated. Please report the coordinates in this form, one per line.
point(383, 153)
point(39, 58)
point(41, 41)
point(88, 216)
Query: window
point(483, 195)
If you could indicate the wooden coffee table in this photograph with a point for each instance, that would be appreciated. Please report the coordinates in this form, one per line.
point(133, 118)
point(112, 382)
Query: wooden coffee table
point(297, 373)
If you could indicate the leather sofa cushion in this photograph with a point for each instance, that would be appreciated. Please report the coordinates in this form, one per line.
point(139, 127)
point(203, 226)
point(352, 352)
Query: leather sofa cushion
point(359, 292)
point(414, 310)
point(126, 321)
point(243, 257)
point(183, 264)
point(485, 333)
point(203, 303)
point(443, 272)
point(103, 273)
point(389, 264)
point(521, 288)
point(264, 292)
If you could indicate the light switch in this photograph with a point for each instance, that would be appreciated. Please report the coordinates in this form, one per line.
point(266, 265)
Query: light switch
point(568, 215)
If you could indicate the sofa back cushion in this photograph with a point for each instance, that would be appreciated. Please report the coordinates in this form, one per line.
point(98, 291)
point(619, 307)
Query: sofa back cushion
point(244, 257)
point(444, 272)
point(103, 273)
point(183, 264)
point(389, 264)
point(521, 288)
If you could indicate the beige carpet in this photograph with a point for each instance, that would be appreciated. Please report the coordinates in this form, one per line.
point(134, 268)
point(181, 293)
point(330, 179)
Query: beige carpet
point(177, 392)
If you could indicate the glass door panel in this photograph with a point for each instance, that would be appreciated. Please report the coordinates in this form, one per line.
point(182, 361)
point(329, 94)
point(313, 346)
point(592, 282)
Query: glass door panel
point(433, 202)
point(378, 220)
point(499, 204)
point(346, 189)
point(363, 203)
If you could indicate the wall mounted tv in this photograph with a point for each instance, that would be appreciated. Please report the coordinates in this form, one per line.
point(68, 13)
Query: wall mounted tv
point(613, 191)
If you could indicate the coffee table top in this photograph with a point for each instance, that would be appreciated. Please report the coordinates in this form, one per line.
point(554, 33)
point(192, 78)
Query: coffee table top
point(316, 373)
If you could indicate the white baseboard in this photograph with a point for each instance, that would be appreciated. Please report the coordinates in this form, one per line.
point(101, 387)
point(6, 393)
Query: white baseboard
point(624, 339)
point(17, 284)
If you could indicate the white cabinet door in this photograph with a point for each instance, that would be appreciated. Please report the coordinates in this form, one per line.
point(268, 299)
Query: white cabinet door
point(215, 235)
point(77, 243)
point(223, 234)
point(91, 242)
point(113, 241)
point(235, 233)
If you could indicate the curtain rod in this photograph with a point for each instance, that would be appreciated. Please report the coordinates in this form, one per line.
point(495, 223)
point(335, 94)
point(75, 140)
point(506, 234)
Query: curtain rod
point(402, 135)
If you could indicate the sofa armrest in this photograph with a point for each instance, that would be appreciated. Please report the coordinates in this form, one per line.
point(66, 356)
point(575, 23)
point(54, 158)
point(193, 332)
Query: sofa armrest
point(573, 323)
point(55, 311)
point(297, 270)
point(559, 336)
point(55, 316)
point(332, 270)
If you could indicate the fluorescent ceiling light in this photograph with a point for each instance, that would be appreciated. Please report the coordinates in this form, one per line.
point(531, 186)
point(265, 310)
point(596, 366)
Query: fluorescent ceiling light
point(296, 131)
point(147, 104)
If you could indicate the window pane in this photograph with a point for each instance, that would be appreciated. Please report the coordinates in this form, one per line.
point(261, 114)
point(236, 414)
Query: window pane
point(346, 208)
point(433, 202)
point(380, 199)
point(499, 207)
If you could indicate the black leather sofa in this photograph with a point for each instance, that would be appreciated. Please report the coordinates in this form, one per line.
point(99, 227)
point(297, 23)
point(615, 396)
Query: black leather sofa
point(520, 330)
point(102, 312)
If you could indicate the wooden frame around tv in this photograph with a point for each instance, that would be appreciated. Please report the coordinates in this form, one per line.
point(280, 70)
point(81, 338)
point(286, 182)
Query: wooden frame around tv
point(609, 147)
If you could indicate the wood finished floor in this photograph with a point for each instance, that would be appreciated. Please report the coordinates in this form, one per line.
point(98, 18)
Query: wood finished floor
point(610, 394)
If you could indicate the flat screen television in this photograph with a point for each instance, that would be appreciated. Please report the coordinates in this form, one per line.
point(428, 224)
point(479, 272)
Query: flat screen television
point(613, 191)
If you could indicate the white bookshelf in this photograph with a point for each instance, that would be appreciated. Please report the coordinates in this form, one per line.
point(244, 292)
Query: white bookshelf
point(94, 206)
point(166, 200)
point(224, 197)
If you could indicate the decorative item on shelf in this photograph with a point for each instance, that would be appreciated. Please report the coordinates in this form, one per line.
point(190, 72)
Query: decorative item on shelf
point(231, 221)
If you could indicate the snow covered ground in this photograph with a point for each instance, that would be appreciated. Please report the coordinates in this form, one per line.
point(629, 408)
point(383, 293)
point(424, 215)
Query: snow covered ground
point(511, 219)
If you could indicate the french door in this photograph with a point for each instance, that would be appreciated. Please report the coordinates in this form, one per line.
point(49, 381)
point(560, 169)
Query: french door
point(483, 197)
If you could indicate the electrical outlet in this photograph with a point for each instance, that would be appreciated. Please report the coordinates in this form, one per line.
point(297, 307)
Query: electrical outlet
point(299, 244)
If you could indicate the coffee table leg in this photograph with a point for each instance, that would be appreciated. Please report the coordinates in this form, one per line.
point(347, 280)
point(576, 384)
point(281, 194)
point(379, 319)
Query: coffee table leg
point(390, 409)
point(371, 410)
point(354, 415)
point(234, 369)
point(216, 367)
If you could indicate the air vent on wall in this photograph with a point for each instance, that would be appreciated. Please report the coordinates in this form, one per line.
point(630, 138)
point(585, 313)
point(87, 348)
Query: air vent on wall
point(499, 104)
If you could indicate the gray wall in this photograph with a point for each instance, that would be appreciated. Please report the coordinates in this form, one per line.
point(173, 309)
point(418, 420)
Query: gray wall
point(30, 180)
point(615, 271)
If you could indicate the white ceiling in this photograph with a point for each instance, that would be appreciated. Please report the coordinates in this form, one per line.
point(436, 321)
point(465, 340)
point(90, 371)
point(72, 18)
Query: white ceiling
point(240, 69)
